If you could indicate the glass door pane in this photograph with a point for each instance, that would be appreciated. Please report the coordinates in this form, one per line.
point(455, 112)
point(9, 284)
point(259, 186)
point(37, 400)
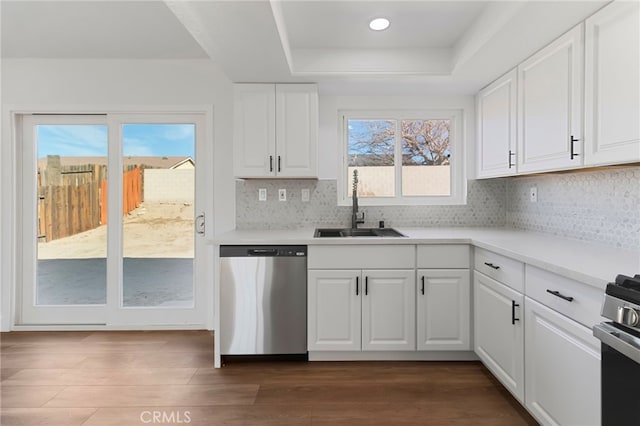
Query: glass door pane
point(158, 215)
point(71, 185)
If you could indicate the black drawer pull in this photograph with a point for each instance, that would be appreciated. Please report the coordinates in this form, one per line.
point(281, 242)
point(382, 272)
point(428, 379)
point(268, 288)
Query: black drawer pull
point(366, 286)
point(561, 296)
point(357, 285)
point(491, 265)
point(513, 312)
point(271, 163)
point(422, 289)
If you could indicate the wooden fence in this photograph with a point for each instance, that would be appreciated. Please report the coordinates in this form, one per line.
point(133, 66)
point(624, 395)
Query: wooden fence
point(73, 199)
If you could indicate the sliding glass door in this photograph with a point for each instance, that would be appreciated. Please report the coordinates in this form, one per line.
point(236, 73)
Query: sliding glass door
point(109, 207)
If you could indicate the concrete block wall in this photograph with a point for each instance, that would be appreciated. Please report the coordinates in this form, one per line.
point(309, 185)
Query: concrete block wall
point(169, 185)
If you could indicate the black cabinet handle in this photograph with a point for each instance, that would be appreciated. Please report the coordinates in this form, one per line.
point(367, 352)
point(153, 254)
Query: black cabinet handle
point(491, 265)
point(513, 312)
point(271, 163)
point(366, 286)
point(573, 141)
point(357, 285)
point(561, 296)
point(422, 287)
point(279, 168)
point(511, 154)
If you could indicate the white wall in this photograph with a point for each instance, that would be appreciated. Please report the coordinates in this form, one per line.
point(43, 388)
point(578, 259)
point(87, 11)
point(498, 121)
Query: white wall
point(329, 151)
point(45, 85)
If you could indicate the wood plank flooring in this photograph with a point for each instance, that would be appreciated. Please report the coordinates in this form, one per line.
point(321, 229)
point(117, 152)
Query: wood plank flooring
point(167, 377)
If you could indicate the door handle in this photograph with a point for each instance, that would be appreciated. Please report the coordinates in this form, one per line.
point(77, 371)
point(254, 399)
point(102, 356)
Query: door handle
point(422, 287)
point(366, 286)
point(200, 224)
point(357, 285)
point(513, 312)
point(573, 141)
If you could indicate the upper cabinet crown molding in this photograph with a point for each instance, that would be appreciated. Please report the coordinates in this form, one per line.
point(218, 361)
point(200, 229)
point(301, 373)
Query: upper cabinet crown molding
point(612, 85)
point(550, 105)
point(275, 130)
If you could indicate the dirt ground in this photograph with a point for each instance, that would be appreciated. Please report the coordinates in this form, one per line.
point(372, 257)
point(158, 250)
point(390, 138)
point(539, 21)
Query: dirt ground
point(151, 230)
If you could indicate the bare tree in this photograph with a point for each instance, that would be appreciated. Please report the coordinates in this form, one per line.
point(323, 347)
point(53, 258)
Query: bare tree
point(424, 142)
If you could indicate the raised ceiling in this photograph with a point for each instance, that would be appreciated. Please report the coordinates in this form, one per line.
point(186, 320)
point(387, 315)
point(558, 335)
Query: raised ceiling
point(430, 47)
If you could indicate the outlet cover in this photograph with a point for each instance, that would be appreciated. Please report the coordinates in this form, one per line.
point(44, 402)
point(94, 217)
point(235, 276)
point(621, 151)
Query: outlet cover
point(305, 195)
point(262, 194)
point(533, 194)
point(282, 194)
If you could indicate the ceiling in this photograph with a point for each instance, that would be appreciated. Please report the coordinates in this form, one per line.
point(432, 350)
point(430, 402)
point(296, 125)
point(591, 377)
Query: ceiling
point(430, 47)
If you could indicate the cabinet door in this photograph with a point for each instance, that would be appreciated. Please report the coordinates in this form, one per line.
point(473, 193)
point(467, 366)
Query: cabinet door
point(499, 332)
point(334, 310)
point(612, 85)
point(563, 368)
point(388, 310)
point(550, 106)
point(443, 309)
point(254, 130)
point(297, 130)
point(496, 106)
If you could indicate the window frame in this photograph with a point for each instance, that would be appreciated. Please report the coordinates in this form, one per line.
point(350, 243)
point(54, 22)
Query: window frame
point(458, 194)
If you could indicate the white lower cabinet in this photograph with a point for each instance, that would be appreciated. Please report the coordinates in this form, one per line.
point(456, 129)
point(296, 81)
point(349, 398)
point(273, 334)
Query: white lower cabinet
point(366, 310)
point(562, 369)
point(334, 310)
point(443, 309)
point(499, 331)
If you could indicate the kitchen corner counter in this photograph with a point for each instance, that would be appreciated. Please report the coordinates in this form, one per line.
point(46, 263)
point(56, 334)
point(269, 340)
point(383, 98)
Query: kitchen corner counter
point(590, 263)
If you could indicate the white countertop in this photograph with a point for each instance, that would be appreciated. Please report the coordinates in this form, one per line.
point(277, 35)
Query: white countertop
point(590, 263)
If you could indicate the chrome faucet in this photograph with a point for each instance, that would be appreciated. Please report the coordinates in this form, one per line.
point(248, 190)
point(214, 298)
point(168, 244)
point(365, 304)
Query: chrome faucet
point(355, 220)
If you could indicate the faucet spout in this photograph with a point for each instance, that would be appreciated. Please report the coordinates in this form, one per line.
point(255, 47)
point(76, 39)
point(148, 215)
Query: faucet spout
point(355, 219)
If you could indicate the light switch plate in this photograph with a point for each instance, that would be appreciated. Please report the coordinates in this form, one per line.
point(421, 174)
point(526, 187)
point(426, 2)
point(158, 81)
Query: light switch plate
point(533, 194)
point(305, 195)
point(282, 194)
point(262, 194)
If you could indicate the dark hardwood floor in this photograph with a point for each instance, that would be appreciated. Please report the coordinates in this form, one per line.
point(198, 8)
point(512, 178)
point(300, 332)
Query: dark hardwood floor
point(134, 378)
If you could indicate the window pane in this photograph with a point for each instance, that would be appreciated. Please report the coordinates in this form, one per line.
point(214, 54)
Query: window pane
point(426, 156)
point(72, 230)
point(371, 152)
point(158, 196)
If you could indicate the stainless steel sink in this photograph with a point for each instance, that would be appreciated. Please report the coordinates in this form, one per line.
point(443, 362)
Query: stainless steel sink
point(356, 232)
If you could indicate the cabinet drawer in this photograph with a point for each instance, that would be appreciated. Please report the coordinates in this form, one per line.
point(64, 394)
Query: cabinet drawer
point(443, 256)
point(508, 271)
point(585, 303)
point(361, 257)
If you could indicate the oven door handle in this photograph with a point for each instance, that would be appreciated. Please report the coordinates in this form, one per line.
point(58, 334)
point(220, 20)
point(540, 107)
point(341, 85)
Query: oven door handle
point(622, 342)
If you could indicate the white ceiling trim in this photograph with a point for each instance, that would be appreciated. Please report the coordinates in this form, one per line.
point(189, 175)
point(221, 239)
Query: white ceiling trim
point(383, 62)
point(193, 24)
point(278, 16)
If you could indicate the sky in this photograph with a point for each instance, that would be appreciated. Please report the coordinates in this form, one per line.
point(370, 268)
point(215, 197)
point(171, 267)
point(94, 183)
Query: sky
point(162, 140)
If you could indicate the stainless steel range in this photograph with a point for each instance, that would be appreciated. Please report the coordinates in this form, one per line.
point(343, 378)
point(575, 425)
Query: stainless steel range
point(620, 351)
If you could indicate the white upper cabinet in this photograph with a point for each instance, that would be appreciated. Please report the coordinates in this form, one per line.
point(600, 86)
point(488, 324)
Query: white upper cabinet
point(550, 106)
point(275, 130)
point(612, 85)
point(496, 108)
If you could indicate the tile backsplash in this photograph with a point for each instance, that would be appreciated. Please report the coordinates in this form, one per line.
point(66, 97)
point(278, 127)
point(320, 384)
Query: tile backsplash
point(599, 206)
point(485, 207)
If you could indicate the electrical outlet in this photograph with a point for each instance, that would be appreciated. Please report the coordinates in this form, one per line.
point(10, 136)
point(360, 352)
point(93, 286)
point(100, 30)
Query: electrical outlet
point(533, 194)
point(282, 194)
point(305, 195)
point(262, 194)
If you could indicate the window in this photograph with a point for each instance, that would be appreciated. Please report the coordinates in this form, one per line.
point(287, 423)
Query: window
point(403, 157)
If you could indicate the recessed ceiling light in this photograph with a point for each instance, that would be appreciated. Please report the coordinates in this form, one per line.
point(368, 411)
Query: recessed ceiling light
point(379, 24)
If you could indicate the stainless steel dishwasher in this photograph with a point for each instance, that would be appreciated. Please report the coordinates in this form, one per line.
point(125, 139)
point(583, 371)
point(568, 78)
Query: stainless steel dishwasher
point(263, 300)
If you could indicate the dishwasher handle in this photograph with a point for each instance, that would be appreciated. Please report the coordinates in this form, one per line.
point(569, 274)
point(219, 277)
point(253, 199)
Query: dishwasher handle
point(263, 252)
